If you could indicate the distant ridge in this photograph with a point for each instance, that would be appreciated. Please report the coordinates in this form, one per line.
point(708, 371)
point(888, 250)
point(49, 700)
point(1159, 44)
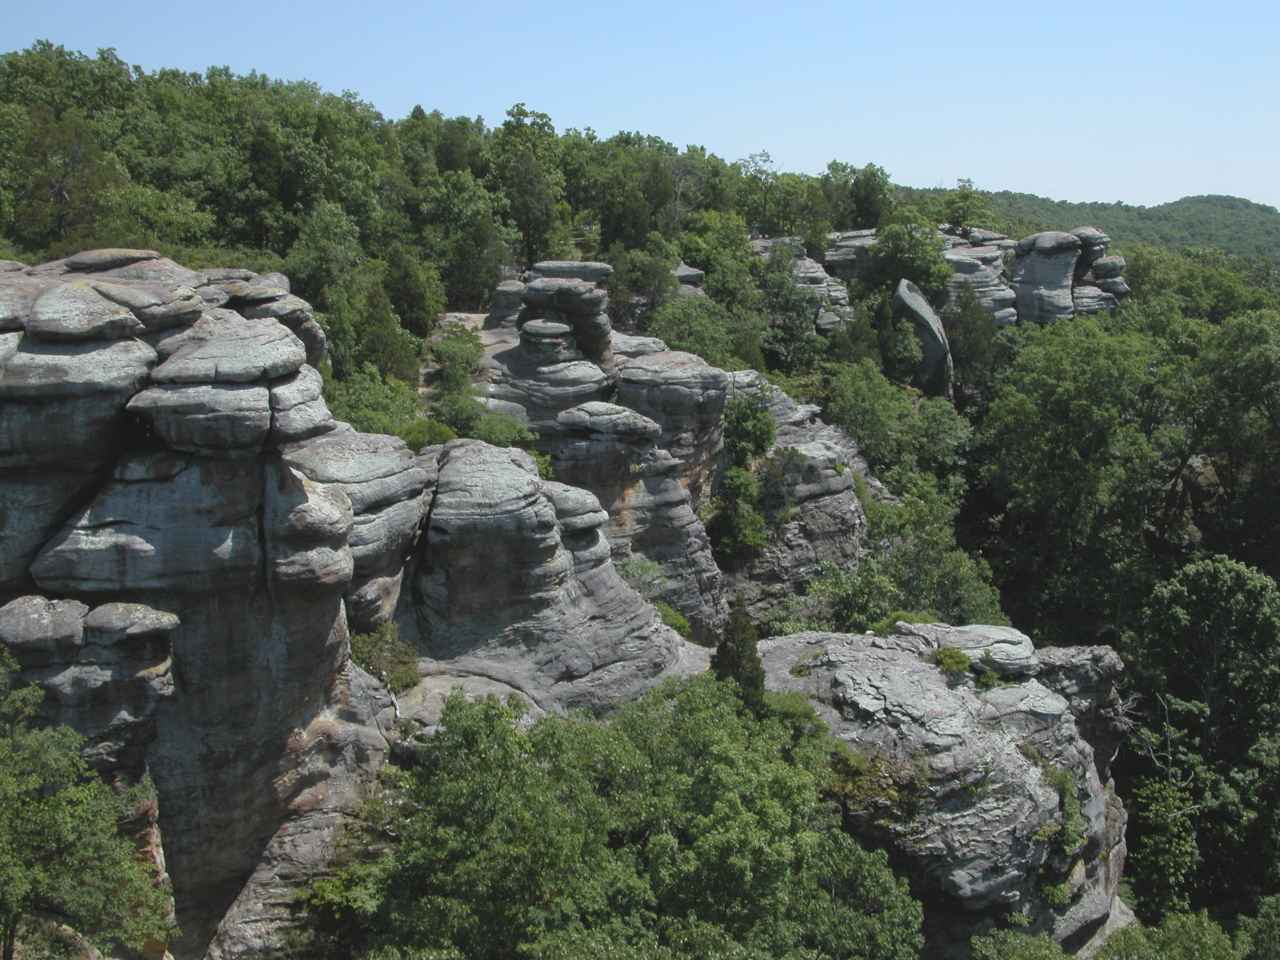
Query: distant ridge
point(1232, 224)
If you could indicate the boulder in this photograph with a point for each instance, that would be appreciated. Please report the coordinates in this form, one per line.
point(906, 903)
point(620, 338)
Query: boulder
point(298, 409)
point(223, 348)
point(590, 271)
point(1090, 299)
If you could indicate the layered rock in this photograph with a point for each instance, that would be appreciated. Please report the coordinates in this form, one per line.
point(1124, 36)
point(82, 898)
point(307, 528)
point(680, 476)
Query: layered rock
point(1043, 273)
point(980, 269)
point(612, 451)
point(824, 521)
point(515, 587)
point(986, 797)
point(829, 294)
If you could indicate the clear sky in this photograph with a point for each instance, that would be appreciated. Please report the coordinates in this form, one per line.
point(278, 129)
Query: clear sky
point(1134, 101)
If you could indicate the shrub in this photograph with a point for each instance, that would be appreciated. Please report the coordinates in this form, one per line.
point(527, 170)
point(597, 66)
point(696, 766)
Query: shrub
point(954, 663)
point(674, 619)
point(384, 655)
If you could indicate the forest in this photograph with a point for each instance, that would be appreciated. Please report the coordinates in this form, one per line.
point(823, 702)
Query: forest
point(1108, 479)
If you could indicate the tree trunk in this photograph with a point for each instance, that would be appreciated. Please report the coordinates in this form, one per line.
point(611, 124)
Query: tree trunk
point(10, 940)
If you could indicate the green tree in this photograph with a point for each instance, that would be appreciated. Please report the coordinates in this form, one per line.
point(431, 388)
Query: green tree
point(525, 156)
point(965, 207)
point(908, 247)
point(61, 852)
point(736, 658)
point(682, 827)
point(871, 197)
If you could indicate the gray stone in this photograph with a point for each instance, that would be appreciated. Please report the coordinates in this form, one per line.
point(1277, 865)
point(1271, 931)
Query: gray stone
point(589, 271)
point(1043, 268)
point(163, 523)
point(76, 311)
point(39, 631)
point(219, 349)
point(298, 409)
point(1116, 286)
point(1007, 651)
point(227, 419)
point(156, 306)
point(685, 396)
point(17, 298)
point(935, 370)
point(688, 276)
point(33, 505)
point(972, 767)
point(1106, 268)
point(1090, 299)
point(49, 371)
point(630, 346)
point(98, 261)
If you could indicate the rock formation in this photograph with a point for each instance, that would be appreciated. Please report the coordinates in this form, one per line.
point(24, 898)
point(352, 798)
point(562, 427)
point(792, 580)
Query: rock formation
point(829, 294)
point(189, 536)
point(935, 369)
point(1052, 275)
point(825, 521)
point(991, 799)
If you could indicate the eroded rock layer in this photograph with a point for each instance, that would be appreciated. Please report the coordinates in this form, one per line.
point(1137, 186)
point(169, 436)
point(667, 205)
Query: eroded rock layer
point(989, 796)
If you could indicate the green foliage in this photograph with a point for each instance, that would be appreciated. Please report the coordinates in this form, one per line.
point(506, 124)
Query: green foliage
point(61, 850)
point(641, 276)
point(738, 530)
point(1010, 945)
point(790, 342)
point(966, 207)
point(749, 429)
point(1181, 936)
point(525, 156)
point(871, 197)
point(683, 827)
point(954, 663)
point(674, 619)
point(701, 325)
point(384, 655)
point(1165, 856)
point(893, 426)
point(736, 659)
point(908, 247)
point(1260, 934)
point(375, 404)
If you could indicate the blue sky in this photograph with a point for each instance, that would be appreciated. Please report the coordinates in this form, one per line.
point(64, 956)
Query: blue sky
point(1140, 102)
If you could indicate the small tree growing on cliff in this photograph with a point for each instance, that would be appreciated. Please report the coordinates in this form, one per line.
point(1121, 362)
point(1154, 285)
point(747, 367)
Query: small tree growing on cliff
point(736, 658)
point(62, 858)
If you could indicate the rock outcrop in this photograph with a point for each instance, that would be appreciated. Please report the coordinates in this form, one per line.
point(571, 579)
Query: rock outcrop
point(829, 294)
point(189, 537)
point(935, 370)
point(990, 799)
point(1051, 275)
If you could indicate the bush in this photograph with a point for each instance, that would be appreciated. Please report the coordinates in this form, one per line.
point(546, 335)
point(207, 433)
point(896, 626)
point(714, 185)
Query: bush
point(954, 663)
point(384, 655)
point(749, 429)
point(674, 619)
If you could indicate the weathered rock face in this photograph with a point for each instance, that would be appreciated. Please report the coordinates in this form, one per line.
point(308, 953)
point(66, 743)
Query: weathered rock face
point(190, 536)
point(612, 451)
point(826, 522)
point(935, 370)
point(830, 296)
point(1043, 272)
point(685, 396)
point(1053, 274)
point(515, 586)
point(998, 795)
point(980, 269)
